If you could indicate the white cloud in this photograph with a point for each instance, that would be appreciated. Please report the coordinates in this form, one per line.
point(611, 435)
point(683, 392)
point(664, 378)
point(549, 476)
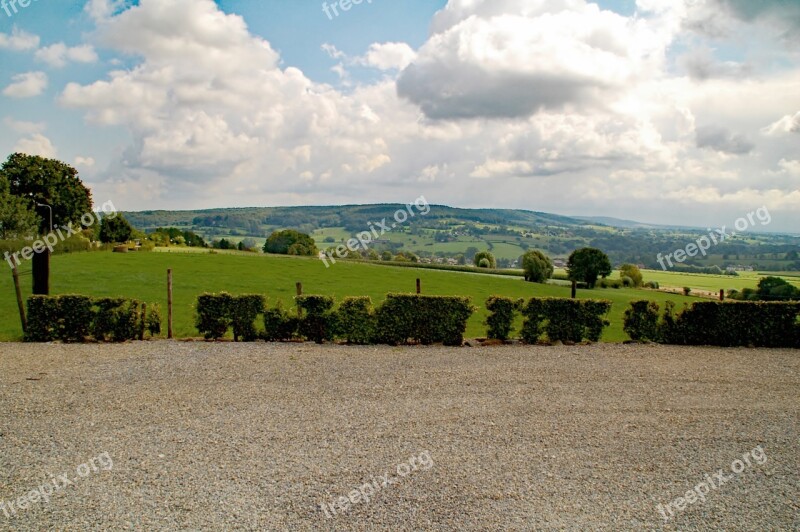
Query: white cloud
point(388, 56)
point(26, 85)
point(87, 162)
point(23, 127)
point(786, 125)
point(36, 144)
point(18, 40)
point(57, 55)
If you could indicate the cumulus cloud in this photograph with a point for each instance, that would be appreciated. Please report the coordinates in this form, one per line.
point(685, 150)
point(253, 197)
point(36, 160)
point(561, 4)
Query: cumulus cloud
point(26, 85)
point(486, 60)
point(86, 162)
point(18, 40)
point(388, 56)
point(787, 124)
point(719, 139)
point(701, 65)
point(57, 55)
point(36, 144)
point(24, 127)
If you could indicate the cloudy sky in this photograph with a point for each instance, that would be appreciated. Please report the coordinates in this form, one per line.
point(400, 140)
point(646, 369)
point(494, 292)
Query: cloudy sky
point(665, 111)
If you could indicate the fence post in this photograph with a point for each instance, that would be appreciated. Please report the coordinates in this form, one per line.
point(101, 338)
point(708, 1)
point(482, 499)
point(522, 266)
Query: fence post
point(21, 306)
point(721, 294)
point(419, 286)
point(169, 304)
point(574, 289)
point(299, 287)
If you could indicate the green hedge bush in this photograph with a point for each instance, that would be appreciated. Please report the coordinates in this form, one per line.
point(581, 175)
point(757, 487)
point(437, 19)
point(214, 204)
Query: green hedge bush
point(564, 320)
point(317, 321)
point(501, 320)
point(724, 324)
point(641, 321)
point(75, 318)
point(244, 312)
point(279, 325)
point(355, 320)
point(216, 313)
point(425, 319)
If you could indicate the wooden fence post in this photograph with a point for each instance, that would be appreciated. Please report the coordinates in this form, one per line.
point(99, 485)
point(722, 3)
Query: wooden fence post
point(721, 294)
point(419, 286)
point(169, 304)
point(574, 289)
point(21, 306)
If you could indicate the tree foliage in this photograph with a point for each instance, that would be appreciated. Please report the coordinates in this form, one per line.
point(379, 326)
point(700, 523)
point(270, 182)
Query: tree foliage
point(587, 264)
point(115, 229)
point(290, 242)
point(485, 255)
point(632, 271)
point(17, 219)
point(48, 181)
point(537, 266)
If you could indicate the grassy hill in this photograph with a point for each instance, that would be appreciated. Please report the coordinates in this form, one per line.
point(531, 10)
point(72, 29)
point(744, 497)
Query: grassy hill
point(143, 276)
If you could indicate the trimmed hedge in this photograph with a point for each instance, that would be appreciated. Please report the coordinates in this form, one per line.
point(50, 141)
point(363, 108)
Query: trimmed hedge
point(715, 323)
point(75, 318)
point(216, 313)
point(501, 320)
point(317, 321)
point(355, 320)
point(425, 319)
point(279, 325)
point(244, 312)
point(564, 320)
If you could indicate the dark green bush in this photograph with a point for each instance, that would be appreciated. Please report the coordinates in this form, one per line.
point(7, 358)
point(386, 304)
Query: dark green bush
point(214, 315)
point(426, 319)
point(244, 311)
point(279, 325)
point(641, 321)
point(724, 324)
point(317, 321)
point(152, 322)
point(75, 317)
point(501, 320)
point(355, 320)
point(42, 317)
point(564, 320)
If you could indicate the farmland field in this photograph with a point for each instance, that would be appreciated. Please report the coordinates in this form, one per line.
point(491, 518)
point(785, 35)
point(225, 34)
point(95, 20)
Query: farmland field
point(143, 276)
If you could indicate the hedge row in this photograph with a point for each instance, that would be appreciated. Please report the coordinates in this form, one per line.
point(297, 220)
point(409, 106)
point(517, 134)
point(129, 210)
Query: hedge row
point(562, 320)
point(724, 324)
point(424, 319)
point(75, 318)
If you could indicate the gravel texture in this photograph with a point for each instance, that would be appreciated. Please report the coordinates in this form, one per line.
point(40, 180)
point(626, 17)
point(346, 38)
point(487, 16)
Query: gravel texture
point(257, 436)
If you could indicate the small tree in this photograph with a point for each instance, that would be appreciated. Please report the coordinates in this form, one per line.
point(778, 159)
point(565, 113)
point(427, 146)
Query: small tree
point(632, 271)
point(587, 264)
point(485, 255)
point(115, 229)
point(537, 266)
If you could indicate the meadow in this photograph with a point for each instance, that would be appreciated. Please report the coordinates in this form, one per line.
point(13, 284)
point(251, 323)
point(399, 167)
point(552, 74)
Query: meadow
point(143, 276)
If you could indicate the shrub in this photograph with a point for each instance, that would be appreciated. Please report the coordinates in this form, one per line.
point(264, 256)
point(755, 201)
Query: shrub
point(75, 317)
point(279, 325)
point(355, 320)
point(641, 321)
point(42, 319)
point(426, 319)
point(501, 319)
point(627, 282)
point(565, 320)
point(485, 255)
point(632, 272)
point(317, 322)
point(153, 319)
point(244, 311)
point(537, 266)
point(687, 290)
point(126, 320)
point(652, 284)
point(214, 314)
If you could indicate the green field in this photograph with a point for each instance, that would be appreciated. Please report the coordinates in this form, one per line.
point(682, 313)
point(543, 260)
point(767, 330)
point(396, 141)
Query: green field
point(143, 276)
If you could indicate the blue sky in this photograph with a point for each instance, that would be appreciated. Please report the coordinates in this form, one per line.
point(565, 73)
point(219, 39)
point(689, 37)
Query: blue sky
point(653, 110)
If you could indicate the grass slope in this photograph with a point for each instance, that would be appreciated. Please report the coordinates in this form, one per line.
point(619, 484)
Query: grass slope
point(143, 276)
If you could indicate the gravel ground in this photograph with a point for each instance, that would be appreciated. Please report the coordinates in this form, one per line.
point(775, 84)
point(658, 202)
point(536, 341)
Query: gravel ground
point(261, 436)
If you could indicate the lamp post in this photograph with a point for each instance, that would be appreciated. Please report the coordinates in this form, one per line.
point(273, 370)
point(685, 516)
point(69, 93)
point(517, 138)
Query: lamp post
point(41, 263)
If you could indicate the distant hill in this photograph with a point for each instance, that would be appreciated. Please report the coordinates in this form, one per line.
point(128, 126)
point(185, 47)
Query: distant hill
point(444, 232)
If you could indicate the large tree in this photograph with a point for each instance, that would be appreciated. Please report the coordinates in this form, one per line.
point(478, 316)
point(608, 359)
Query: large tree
point(490, 262)
point(587, 264)
point(290, 242)
point(47, 181)
point(115, 229)
point(537, 266)
point(17, 220)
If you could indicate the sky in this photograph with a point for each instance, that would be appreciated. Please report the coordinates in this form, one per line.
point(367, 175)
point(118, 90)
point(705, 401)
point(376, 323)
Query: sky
point(679, 112)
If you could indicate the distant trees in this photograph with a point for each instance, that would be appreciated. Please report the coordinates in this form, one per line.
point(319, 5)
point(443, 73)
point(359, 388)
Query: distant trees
point(115, 229)
point(291, 242)
point(633, 272)
point(484, 259)
point(537, 266)
point(776, 288)
point(587, 264)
